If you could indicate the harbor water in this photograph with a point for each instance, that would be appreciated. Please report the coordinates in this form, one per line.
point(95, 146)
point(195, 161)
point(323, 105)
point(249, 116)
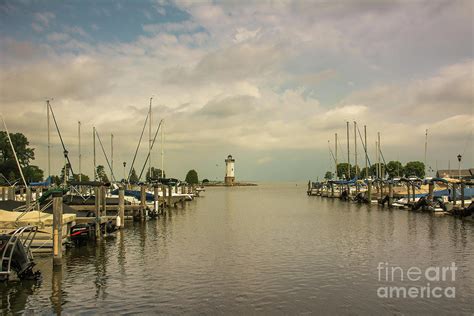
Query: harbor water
point(268, 249)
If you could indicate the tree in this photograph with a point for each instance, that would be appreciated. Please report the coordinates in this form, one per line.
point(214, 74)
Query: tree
point(342, 169)
point(328, 175)
point(394, 169)
point(84, 177)
point(155, 174)
point(192, 177)
point(415, 168)
point(133, 176)
point(20, 143)
point(205, 181)
point(33, 174)
point(355, 170)
point(373, 170)
point(8, 166)
point(101, 175)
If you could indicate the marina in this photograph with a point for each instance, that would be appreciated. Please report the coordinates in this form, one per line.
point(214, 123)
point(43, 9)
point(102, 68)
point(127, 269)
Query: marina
point(236, 158)
point(254, 249)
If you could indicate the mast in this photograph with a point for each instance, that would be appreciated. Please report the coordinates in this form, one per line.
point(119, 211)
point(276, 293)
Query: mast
point(376, 159)
point(336, 154)
point(378, 154)
point(95, 167)
point(149, 141)
point(426, 147)
point(355, 148)
point(366, 154)
point(162, 148)
point(80, 155)
point(348, 157)
point(49, 138)
point(111, 156)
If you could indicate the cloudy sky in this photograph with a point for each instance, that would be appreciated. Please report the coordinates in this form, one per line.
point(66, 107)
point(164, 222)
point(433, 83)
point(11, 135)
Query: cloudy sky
point(268, 82)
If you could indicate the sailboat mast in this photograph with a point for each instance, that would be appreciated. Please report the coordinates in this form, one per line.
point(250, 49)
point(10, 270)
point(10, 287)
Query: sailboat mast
point(80, 154)
point(355, 148)
point(366, 154)
point(162, 149)
point(335, 146)
point(49, 138)
point(379, 154)
point(149, 142)
point(426, 147)
point(376, 159)
point(111, 156)
point(93, 142)
point(348, 157)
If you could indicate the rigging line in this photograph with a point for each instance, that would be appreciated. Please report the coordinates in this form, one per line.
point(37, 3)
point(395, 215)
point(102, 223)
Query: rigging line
point(61, 138)
point(381, 154)
point(365, 147)
point(138, 146)
point(14, 152)
point(148, 156)
point(467, 142)
point(106, 159)
point(332, 154)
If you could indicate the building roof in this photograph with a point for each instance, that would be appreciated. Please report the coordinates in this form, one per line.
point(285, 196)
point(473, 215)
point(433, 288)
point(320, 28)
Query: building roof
point(454, 173)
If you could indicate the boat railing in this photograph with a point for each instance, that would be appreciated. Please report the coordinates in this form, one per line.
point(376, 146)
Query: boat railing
point(32, 207)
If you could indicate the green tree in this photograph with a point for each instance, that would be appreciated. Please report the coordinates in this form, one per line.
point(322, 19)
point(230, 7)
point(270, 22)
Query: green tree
point(415, 168)
point(394, 169)
point(33, 174)
point(101, 175)
point(192, 177)
point(8, 166)
point(205, 181)
point(133, 176)
point(373, 170)
point(155, 174)
point(20, 143)
point(342, 169)
point(355, 170)
point(328, 175)
point(84, 177)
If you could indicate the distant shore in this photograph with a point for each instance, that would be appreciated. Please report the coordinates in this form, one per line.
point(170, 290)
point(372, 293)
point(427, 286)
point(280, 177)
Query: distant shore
point(236, 184)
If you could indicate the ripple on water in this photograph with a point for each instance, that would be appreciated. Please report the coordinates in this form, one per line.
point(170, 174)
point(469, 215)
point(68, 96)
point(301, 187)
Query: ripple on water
point(267, 250)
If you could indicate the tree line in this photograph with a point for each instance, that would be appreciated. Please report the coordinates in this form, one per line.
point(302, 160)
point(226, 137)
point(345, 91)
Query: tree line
point(392, 169)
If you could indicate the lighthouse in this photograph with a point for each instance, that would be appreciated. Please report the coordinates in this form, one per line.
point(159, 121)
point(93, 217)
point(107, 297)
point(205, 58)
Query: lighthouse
point(229, 171)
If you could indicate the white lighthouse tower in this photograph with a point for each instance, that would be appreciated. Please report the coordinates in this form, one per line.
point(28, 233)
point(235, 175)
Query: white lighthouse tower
point(229, 171)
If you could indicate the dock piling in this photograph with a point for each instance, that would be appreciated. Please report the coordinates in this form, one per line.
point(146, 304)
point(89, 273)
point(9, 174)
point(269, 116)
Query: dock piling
point(142, 202)
point(390, 194)
point(97, 211)
point(170, 189)
point(57, 228)
point(11, 193)
point(156, 197)
point(121, 207)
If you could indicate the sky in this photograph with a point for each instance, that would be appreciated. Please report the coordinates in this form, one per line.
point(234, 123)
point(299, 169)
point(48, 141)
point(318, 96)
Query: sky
point(269, 82)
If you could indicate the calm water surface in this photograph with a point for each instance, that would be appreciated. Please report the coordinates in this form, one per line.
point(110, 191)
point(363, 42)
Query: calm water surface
point(263, 250)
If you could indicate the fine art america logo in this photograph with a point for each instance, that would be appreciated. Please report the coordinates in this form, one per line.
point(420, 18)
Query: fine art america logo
point(433, 280)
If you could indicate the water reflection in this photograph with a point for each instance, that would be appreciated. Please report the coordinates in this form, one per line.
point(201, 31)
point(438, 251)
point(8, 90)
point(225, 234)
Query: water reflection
point(57, 294)
point(268, 250)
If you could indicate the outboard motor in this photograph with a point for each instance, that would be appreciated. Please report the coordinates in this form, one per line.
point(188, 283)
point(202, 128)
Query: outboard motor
point(20, 261)
point(420, 203)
